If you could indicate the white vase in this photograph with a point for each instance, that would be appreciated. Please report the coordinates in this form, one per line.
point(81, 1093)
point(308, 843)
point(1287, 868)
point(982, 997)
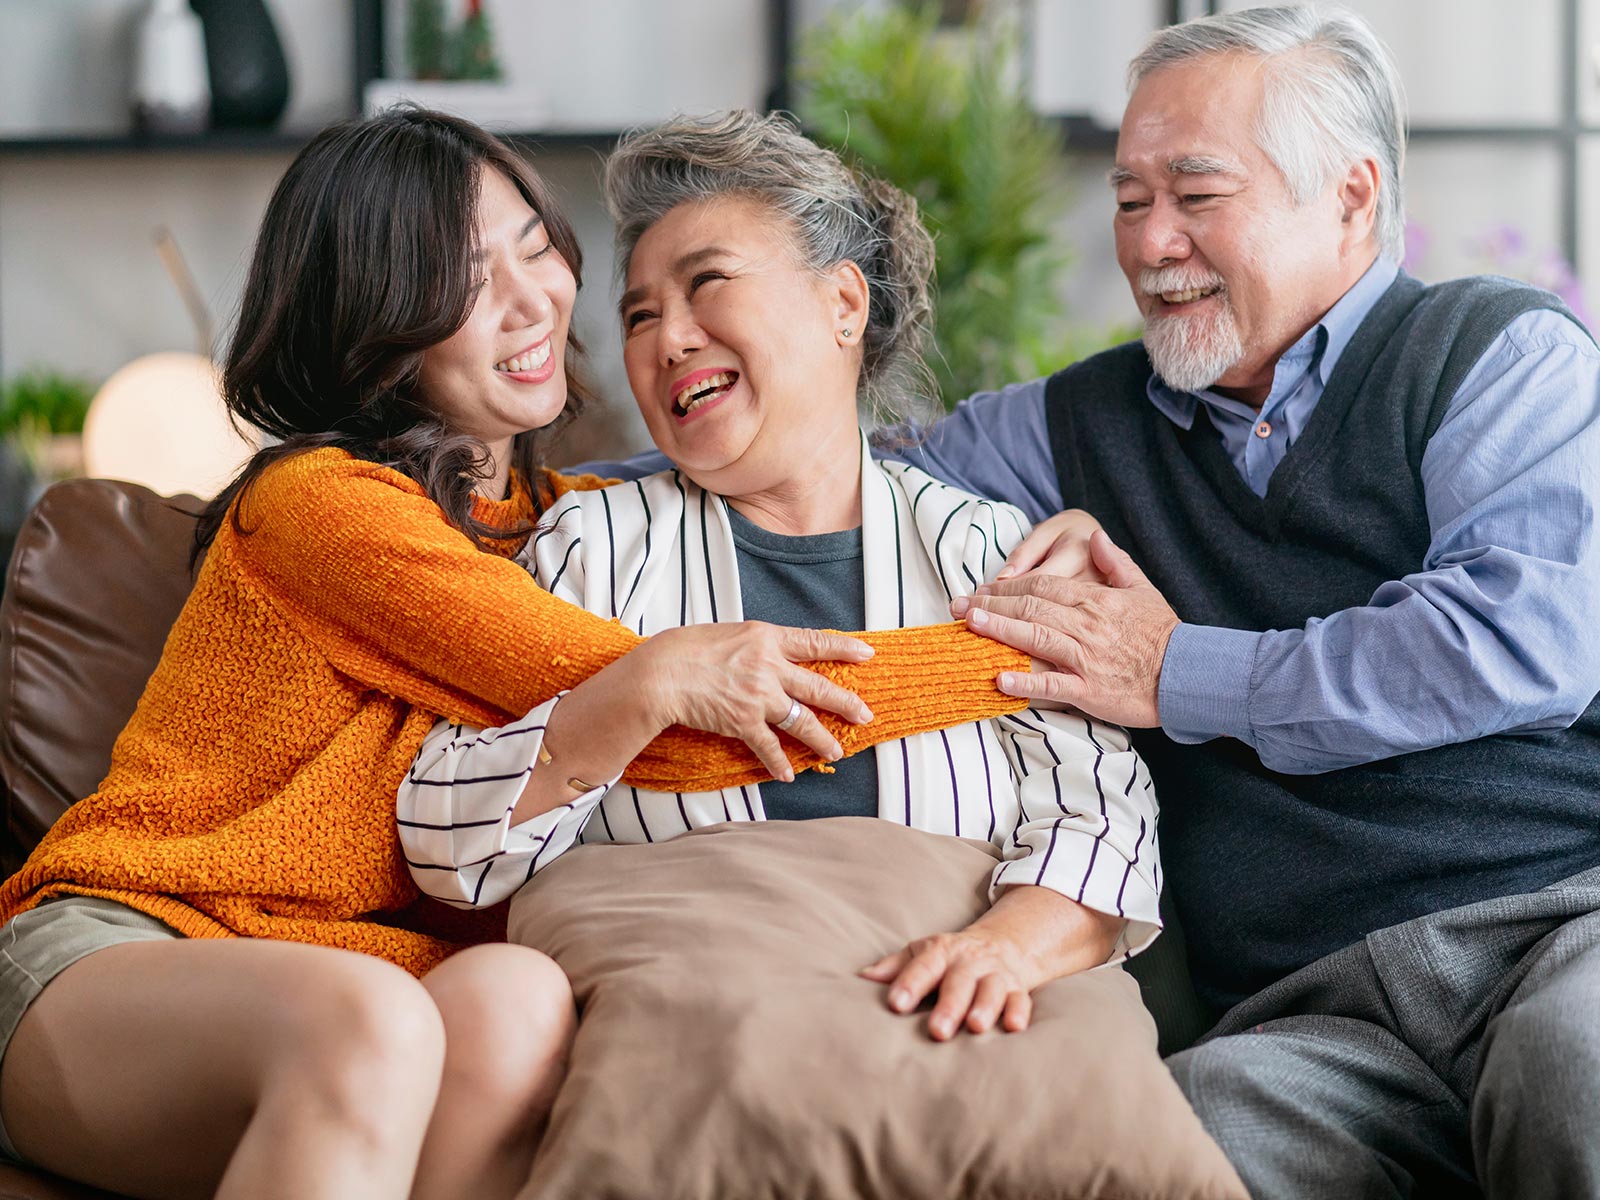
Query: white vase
point(171, 93)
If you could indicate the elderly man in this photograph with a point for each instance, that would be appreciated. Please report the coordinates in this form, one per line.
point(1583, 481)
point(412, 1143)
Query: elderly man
point(1359, 643)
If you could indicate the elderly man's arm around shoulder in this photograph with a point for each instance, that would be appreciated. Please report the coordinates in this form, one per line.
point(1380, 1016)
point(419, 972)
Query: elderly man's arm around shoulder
point(994, 444)
point(1493, 633)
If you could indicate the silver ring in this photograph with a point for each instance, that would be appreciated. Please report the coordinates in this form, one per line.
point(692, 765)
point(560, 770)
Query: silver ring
point(791, 716)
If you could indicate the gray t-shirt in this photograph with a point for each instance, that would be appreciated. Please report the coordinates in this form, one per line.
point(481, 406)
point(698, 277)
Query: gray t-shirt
point(812, 582)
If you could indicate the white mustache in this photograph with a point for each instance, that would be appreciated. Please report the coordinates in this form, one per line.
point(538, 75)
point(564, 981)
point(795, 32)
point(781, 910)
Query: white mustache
point(1155, 280)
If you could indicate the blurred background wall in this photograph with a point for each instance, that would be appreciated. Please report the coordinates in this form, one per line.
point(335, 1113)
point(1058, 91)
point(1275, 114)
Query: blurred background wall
point(1504, 168)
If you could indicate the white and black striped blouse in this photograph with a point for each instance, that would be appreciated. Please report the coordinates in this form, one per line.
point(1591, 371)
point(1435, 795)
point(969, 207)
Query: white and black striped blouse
point(1065, 799)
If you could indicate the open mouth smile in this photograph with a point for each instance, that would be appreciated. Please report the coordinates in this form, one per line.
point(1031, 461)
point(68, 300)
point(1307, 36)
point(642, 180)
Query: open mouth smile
point(1189, 295)
point(528, 362)
point(694, 392)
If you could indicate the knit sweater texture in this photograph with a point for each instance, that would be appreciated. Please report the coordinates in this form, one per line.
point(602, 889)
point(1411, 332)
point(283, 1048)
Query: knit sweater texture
point(253, 791)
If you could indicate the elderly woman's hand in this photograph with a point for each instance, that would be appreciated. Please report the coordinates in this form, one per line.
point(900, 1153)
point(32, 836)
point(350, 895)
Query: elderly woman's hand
point(986, 973)
point(741, 680)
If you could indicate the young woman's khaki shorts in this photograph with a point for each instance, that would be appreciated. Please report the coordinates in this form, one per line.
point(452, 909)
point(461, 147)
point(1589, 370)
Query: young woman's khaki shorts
point(44, 941)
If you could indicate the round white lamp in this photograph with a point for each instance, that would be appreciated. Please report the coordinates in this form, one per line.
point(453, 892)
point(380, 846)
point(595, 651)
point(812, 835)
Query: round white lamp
point(160, 421)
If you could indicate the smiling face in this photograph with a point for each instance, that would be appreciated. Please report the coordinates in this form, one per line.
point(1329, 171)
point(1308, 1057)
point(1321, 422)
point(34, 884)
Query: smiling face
point(737, 356)
point(503, 372)
point(1227, 268)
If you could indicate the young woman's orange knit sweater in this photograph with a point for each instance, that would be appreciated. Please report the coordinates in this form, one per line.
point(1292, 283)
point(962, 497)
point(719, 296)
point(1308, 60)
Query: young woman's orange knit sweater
point(253, 791)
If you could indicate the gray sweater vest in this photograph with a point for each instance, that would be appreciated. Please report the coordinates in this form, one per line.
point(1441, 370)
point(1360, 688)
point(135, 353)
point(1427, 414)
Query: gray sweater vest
point(1272, 871)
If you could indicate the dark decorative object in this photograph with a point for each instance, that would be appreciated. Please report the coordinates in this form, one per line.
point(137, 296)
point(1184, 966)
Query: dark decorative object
point(249, 77)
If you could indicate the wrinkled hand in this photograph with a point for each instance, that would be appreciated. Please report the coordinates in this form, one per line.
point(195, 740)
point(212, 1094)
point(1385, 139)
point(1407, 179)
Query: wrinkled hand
point(1058, 545)
point(739, 678)
point(1106, 642)
point(988, 971)
point(982, 977)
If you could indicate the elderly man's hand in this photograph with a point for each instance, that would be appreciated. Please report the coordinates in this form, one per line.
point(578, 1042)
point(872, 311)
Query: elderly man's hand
point(1105, 643)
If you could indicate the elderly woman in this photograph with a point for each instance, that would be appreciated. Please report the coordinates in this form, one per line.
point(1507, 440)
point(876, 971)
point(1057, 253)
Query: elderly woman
point(769, 295)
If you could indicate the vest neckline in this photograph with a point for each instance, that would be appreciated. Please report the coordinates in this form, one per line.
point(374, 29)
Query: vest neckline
point(1204, 445)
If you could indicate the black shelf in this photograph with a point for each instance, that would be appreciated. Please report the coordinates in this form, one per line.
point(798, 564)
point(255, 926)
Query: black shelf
point(1078, 133)
point(1086, 135)
point(534, 140)
point(265, 142)
point(256, 141)
point(368, 48)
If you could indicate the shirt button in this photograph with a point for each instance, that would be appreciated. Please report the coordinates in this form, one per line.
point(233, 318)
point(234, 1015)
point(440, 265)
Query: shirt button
point(1264, 430)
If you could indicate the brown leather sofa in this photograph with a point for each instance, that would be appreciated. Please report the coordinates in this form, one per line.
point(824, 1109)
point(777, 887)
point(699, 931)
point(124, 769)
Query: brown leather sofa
point(97, 577)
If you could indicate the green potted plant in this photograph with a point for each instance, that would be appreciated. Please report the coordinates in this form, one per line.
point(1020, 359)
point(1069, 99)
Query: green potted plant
point(41, 427)
point(941, 113)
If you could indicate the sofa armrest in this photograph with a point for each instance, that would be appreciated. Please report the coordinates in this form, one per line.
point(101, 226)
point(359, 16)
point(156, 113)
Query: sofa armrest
point(98, 575)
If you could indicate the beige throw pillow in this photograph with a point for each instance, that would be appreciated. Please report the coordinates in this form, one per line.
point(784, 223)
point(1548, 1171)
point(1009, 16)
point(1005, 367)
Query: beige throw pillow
point(728, 1051)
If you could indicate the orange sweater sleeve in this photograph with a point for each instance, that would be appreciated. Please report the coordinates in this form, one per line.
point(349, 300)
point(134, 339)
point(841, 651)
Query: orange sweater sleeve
point(367, 566)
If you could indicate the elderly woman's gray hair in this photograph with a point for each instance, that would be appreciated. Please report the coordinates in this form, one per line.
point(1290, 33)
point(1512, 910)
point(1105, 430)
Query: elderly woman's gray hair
point(832, 214)
point(1332, 96)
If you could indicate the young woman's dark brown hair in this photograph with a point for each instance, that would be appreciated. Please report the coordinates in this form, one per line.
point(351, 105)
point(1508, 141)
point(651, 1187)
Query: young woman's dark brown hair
point(363, 262)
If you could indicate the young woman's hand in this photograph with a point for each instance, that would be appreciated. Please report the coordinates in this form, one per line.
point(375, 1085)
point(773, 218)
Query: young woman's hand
point(737, 679)
point(742, 679)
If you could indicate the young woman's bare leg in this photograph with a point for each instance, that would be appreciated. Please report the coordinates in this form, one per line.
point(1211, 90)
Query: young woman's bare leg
point(235, 1068)
point(509, 1021)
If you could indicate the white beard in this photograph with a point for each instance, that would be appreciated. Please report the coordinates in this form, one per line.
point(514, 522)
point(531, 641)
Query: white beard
point(1190, 353)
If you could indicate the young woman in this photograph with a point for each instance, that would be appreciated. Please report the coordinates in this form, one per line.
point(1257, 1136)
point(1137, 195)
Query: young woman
point(181, 1009)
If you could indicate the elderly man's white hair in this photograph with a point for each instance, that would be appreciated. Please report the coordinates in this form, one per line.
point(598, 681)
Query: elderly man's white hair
point(1331, 96)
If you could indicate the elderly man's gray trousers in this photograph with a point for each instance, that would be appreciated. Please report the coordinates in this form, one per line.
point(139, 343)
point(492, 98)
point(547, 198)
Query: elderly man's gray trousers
point(1454, 1055)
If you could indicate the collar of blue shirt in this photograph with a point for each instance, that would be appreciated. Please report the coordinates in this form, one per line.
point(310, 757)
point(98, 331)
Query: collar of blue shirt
point(1310, 360)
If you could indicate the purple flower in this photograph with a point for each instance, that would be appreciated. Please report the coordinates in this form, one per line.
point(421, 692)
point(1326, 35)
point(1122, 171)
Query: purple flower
point(1417, 238)
point(1503, 245)
point(1571, 294)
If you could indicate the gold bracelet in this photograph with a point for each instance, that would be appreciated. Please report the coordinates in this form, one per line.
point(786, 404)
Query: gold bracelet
point(573, 781)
